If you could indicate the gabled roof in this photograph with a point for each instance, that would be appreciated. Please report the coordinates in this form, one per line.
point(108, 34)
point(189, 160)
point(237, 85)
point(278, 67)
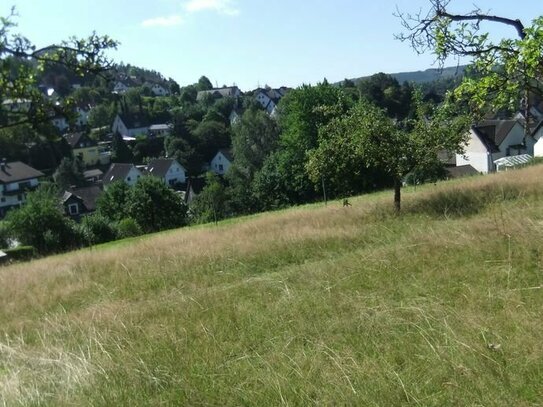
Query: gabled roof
point(230, 91)
point(536, 129)
point(74, 139)
point(159, 167)
point(89, 196)
point(117, 172)
point(134, 121)
point(227, 153)
point(17, 171)
point(93, 173)
point(496, 131)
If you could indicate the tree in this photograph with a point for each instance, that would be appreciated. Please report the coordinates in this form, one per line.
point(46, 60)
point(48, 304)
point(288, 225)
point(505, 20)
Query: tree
point(254, 137)
point(154, 206)
point(20, 60)
point(41, 223)
point(204, 83)
point(366, 138)
point(68, 173)
point(509, 71)
point(283, 179)
point(113, 202)
point(210, 205)
point(120, 152)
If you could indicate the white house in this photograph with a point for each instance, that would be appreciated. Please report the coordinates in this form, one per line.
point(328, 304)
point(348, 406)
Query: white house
point(221, 162)
point(158, 89)
point(494, 139)
point(126, 173)
point(537, 134)
point(16, 178)
point(269, 98)
point(130, 125)
point(120, 87)
point(167, 169)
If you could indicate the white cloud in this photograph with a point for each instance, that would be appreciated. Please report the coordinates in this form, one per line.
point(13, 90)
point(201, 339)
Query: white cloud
point(219, 6)
point(168, 21)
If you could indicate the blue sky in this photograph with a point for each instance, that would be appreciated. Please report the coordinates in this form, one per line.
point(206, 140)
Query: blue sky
point(248, 42)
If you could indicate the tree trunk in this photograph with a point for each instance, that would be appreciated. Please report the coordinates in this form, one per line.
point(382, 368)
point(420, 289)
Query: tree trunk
point(397, 195)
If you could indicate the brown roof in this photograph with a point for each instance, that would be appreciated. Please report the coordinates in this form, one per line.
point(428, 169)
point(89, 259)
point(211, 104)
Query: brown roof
point(117, 172)
point(496, 130)
point(75, 139)
point(159, 167)
point(17, 171)
point(89, 196)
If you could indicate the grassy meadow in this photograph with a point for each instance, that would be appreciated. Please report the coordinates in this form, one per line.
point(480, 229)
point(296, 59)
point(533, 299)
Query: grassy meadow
point(315, 305)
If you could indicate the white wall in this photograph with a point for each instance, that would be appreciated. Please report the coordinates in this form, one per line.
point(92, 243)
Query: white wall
point(176, 174)
point(219, 164)
point(475, 155)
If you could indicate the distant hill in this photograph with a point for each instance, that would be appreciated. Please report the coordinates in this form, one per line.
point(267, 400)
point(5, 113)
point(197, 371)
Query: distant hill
point(429, 75)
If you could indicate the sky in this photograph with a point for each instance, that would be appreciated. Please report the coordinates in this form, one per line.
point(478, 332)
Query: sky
point(249, 43)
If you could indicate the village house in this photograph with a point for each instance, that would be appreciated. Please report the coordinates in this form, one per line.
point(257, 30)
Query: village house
point(537, 135)
point(16, 178)
point(494, 139)
point(130, 125)
point(126, 173)
point(218, 93)
point(157, 89)
point(221, 162)
point(168, 170)
point(80, 201)
point(87, 150)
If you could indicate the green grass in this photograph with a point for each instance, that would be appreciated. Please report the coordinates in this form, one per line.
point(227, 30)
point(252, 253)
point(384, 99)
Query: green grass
point(310, 306)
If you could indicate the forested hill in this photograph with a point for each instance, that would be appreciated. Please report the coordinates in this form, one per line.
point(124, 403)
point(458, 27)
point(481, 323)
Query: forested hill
point(428, 75)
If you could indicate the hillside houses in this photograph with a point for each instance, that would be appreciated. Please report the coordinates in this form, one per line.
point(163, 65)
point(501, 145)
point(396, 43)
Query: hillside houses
point(269, 98)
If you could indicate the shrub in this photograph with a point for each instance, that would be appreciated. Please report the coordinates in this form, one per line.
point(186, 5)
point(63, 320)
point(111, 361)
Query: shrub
point(21, 253)
point(97, 229)
point(128, 227)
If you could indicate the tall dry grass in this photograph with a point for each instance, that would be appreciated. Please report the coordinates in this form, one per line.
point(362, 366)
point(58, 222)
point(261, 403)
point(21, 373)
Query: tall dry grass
point(314, 305)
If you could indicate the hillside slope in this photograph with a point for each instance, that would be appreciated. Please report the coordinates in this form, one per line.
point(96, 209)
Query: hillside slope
point(428, 75)
point(313, 305)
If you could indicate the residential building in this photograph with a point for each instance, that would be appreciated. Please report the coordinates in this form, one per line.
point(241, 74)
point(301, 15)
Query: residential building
point(80, 201)
point(127, 173)
point(16, 178)
point(226, 92)
point(84, 148)
point(494, 139)
point(167, 169)
point(130, 125)
point(222, 161)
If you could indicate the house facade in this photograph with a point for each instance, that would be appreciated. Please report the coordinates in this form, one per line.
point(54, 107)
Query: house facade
point(84, 148)
point(167, 169)
point(130, 126)
point(160, 130)
point(221, 162)
point(494, 139)
point(16, 178)
point(126, 173)
point(78, 202)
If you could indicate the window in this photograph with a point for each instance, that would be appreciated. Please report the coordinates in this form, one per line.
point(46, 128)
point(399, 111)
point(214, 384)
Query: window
point(220, 167)
point(73, 209)
point(3, 199)
point(128, 179)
